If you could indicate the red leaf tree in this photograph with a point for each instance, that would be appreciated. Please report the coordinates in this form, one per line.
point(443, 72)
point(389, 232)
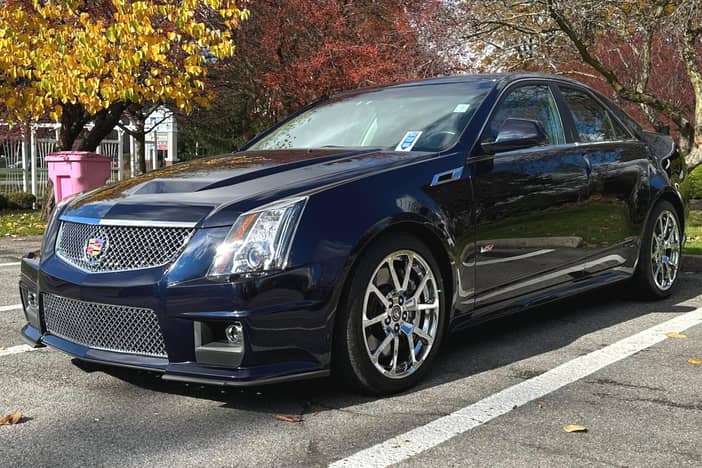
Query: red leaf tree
point(292, 52)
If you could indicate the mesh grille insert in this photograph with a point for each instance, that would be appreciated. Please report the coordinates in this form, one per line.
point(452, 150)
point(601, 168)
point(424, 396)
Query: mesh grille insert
point(100, 248)
point(108, 327)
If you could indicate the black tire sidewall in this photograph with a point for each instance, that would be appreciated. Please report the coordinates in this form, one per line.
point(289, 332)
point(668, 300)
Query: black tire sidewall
point(356, 363)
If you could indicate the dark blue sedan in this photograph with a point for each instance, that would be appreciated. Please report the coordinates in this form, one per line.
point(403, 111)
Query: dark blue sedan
point(353, 236)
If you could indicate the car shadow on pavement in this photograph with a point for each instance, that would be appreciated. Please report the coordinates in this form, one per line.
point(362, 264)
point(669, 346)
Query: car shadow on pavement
point(482, 348)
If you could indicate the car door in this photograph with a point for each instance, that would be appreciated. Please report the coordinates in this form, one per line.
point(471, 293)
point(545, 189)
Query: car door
point(619, 168)
point(527, 203)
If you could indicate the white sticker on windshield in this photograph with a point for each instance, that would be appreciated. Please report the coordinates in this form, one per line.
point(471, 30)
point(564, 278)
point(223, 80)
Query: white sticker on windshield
point(462, 108)
point(408, 141)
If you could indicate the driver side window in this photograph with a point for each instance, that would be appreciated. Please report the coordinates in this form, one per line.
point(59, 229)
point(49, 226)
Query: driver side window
point(533, 102)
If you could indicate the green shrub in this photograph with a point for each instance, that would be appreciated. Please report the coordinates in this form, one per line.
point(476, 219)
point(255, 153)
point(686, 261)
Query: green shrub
point(692, 186)
point(3, 202)
point(21, 201)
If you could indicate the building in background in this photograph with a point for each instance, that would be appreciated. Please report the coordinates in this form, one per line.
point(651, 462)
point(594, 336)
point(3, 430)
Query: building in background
point(162, 141)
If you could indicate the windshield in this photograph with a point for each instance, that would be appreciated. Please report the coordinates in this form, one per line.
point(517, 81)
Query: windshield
point(411, 118)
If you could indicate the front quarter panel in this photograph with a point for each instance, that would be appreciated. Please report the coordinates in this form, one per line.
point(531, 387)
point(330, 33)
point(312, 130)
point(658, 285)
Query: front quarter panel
point(340, 222)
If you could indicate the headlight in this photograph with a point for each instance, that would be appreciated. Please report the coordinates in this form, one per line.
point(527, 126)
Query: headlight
point(259, 240)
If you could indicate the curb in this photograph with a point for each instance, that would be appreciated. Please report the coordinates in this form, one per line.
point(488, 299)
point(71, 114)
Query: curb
point(692, 263)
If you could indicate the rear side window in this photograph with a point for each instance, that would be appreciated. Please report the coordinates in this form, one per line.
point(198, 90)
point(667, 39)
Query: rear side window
point(533, 102)
point(592, 121)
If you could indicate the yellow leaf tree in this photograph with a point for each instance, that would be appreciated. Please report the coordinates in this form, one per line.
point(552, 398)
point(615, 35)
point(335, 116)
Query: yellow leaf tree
point(81, 61)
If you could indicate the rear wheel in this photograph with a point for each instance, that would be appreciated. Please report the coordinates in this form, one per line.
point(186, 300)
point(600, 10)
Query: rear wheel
point(660, 255)
point(392, 319)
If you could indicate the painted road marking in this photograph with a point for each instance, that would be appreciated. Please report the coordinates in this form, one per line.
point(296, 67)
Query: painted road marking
point(10, 307)
point(10, 264)
point(23, 348)
point(440, 430)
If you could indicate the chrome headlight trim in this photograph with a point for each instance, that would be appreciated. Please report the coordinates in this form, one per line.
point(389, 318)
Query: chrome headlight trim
point(260, 239)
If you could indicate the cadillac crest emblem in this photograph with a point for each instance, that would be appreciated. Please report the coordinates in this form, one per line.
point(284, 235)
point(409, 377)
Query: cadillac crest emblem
point(95, 249)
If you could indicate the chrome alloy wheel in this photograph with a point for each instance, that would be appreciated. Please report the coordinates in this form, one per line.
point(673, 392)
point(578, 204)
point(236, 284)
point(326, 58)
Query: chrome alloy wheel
point(665, 250)
point(400, 314)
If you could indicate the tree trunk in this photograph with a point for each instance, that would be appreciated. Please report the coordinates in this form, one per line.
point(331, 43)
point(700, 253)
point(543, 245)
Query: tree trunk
point(693, 143)
point(140, 143)
point(73, 119)
point(104, 122)
point(73, 137)
point(49, 202)
point(139, 134)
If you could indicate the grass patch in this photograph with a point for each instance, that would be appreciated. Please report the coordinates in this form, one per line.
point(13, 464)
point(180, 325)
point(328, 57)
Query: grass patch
point(21, 223)
point(692, 186)
point(694, 233)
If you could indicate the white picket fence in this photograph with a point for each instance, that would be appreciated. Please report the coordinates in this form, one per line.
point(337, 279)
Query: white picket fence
point(19, 174)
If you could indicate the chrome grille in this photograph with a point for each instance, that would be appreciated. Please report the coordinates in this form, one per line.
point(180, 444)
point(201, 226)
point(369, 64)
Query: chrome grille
point(108, 327)
point(126, 247)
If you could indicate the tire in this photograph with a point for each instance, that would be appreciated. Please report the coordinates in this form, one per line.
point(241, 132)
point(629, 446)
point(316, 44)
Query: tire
point(393, 319)
point(661, 251)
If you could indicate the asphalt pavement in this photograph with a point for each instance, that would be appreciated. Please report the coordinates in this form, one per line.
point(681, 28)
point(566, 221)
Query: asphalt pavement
point(601, 360)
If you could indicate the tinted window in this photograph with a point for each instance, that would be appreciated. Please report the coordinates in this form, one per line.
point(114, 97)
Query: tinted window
point(627, 120)
point(533, 102)
point(592, 121)
point(383, 118)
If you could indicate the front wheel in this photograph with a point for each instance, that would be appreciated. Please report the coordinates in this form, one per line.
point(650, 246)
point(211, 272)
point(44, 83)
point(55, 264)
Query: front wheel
point(660, 255)
point(392, 319)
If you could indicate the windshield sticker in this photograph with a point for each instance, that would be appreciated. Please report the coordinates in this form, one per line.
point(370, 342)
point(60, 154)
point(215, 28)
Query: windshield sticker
point(461, 108)
point(408, 141)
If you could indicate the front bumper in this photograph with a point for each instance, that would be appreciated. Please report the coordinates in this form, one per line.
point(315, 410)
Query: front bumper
point(287, 328)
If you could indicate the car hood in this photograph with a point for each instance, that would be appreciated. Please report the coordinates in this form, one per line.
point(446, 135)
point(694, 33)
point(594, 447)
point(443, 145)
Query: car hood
point(213, 191)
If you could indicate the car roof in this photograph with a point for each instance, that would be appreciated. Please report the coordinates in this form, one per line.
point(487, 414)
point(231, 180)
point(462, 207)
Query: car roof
point(503, 78)
point(500, 79)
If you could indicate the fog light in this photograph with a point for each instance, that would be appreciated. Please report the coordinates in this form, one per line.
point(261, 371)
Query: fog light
point(234, 333)
point(30, 300)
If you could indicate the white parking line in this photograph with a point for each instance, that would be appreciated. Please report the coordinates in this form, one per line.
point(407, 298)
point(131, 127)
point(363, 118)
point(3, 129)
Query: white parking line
point(10, 264)
point(10, 307)
point(440, 430)
point(23, 348)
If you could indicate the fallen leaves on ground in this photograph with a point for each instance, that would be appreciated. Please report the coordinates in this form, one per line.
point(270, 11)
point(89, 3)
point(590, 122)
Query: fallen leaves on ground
point(291, 418)
point(695, 361)
point(675, 335)
point(10, 419)
point(575, 428)
point(18, 223)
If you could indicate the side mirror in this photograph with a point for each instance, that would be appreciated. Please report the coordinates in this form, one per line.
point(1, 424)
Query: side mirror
point(517, 134)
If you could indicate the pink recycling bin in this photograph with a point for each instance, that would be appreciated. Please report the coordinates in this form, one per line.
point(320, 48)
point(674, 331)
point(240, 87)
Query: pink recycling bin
point(73, 172)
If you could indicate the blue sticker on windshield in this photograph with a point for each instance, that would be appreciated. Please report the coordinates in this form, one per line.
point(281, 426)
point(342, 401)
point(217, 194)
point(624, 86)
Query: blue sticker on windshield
point(408, 141)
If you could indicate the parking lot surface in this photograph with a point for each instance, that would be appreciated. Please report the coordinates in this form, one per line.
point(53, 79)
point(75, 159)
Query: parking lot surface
point(641, 406)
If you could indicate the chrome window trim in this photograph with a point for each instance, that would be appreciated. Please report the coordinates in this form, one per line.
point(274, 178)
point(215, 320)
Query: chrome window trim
point(606, 142)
